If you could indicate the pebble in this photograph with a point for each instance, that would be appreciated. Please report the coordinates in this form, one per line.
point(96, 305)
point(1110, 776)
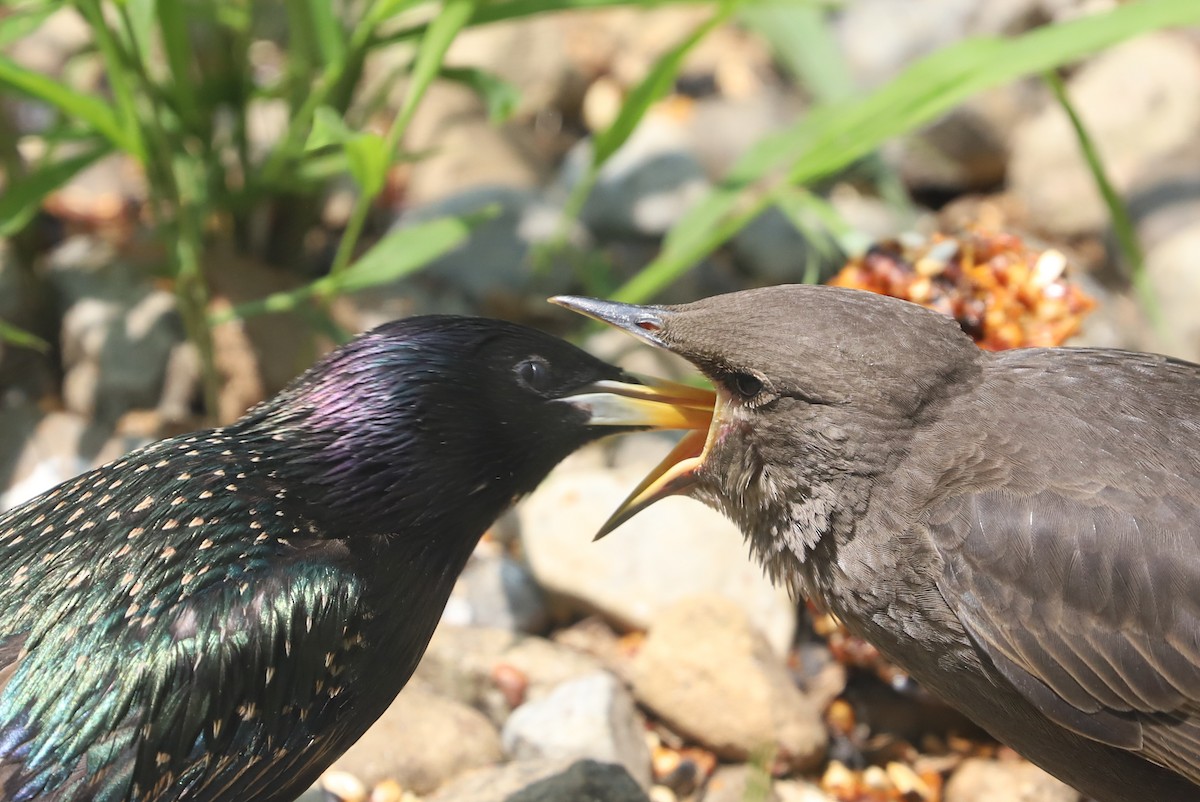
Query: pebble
point(494, 590)
point(979, 780)
point(494, 670)
point(737, 783)
point(711, 676)
point(422, 741)
point(118, 336)
point(343, 786)
point(644, 188)
point(589, 717)
point(545, 781)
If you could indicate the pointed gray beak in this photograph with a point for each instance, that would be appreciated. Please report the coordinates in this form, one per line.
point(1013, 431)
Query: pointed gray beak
point(644, 322)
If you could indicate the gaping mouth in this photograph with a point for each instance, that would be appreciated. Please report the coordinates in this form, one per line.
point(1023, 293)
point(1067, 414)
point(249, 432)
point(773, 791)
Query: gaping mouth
point(656, 405)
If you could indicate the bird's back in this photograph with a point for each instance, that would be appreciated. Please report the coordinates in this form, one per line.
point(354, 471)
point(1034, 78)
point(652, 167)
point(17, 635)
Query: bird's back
point(154, 617)
point(1062, 499)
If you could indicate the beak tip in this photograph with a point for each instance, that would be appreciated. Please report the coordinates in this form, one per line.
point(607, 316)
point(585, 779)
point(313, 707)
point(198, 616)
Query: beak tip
point(608, 527)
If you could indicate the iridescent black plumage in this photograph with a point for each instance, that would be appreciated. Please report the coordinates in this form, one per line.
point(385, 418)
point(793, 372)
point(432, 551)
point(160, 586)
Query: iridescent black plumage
point(219, 615)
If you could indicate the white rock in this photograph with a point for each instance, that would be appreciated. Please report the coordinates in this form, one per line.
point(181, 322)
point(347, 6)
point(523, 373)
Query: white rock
point(1157, 79)
point(674, 549)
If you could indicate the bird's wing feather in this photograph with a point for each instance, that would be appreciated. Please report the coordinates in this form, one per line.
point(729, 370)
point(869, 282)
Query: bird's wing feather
point(127, 620)
point(1088, 604)
point(122, 711)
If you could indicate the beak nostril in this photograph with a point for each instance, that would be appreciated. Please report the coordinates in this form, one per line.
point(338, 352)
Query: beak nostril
point(648, 324)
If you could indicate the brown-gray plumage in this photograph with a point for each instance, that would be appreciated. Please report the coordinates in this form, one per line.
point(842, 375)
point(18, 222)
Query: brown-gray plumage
point(1019, 530)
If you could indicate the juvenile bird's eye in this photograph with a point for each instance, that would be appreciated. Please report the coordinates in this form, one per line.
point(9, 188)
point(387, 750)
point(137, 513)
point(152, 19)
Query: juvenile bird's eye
point(534, 374)
point(746, 385)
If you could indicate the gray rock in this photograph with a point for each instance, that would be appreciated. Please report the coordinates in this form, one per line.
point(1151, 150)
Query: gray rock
point(674, 549)
point(495, 670)
point(499, 592)
point(38, 451)
point(773, 250)
point(979, 780)
point(711, 676)
point(545, 781)
point(1157, 78)
point(422, 741)
point(589, 717)
point(644, 188)
point(119, 334)
point(1171, 269)
point(881, 37)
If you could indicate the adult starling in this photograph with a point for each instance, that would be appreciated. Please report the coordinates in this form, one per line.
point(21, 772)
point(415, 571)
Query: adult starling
point(220, 615)
point(1018, 530)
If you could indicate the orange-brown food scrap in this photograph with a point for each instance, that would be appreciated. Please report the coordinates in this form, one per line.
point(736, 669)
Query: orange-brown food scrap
point(1002, 292)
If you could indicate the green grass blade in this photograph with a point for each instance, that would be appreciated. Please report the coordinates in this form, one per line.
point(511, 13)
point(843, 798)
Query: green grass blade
point(802, 40)
point(834, 136)
point(120, 70)
point(23, 197)
point(141, 17)
point(487, 13)
point(328, 31)
point(382, 10)
point(95, 113)
point(172, 25)
point(430, 54)
point(21, 22)
point(500, 96)
point(651, 88)
point(406, 250)
point(455, 14)
point(605, 143)
point(400, 253)
point(19, 337)
point(1123, 228)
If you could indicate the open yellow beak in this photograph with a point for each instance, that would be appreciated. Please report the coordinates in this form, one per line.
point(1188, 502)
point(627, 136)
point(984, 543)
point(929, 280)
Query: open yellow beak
point(657, 404)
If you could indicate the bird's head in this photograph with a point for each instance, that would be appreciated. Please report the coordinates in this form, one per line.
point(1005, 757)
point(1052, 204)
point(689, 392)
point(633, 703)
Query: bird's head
point(439, 414)
point(812, 384)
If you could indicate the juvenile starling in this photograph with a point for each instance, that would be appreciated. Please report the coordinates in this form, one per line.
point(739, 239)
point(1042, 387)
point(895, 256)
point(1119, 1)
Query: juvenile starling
point(1018, 530)
point(220, 615)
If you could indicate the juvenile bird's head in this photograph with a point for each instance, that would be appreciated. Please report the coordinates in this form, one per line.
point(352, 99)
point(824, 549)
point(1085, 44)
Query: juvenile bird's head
point(813, 385)
point(441, 418)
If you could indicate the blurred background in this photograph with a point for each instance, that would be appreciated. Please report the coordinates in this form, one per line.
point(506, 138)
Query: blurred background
point(200, 197)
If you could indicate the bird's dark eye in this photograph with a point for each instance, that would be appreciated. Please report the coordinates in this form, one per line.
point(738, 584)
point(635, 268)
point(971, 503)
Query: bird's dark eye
point(534, 374)
point(746, 385)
